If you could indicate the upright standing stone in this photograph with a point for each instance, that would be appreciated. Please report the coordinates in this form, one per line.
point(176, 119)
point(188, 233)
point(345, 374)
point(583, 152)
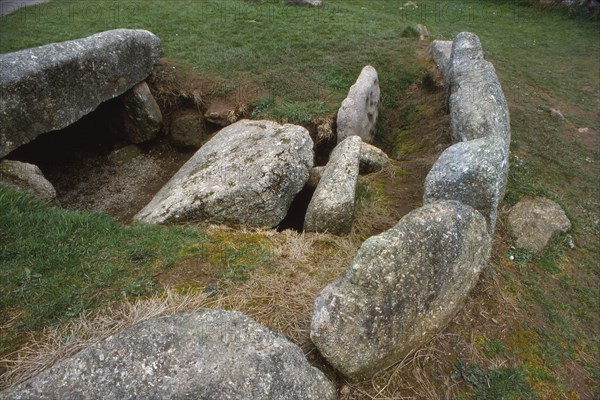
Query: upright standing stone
point(478, 107)
point(441, 53)
point(331, 208)
point(474, 173)
point(359, 111)
point(141, 114)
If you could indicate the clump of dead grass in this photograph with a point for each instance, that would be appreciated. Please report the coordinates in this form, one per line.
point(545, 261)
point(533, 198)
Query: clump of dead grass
point(58, 344)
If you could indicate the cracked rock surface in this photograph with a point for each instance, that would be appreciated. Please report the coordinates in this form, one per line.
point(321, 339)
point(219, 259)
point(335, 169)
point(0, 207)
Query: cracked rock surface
point(331, 208)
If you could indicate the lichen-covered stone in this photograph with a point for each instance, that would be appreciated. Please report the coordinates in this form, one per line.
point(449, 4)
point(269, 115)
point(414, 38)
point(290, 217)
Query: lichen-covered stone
point(478, 107)
point(372, 158)
point(247, 174)
point(474, 173)
point(49, 87)
point(331, 208)
point(142, 117)
point(533, 222)
point(28, 178)
point(210, 354)
point(403, 287)
point(359, 111)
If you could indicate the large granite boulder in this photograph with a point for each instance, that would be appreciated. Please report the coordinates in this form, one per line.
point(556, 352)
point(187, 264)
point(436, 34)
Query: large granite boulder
point(533, 222)
point(209, 355)
point(331, 208)
point(403, 287)
point(474, 173)
point(248, 174)
point(28, 178)
point(142, 117)
point(359, 111)
point(478, 107)
point(49, 87)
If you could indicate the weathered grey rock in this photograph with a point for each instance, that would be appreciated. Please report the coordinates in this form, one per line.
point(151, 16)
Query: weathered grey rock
point(315, 177)
point(248, 173)
point(403, 287)
point(28, 178)
point(372, 158)
point(533, 222)
point(331, 208)
point(141, 114)
point(423, 31)
point(307, 2)
point(188, 129)
point(359, 111)
point(473, 173)
point(466, 47)
point(209, 355)
point(478, 107)
point(441, 53)
point(49, 87)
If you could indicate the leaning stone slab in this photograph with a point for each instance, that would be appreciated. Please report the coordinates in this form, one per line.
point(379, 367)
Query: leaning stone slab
point(473, 173)
point(141, 114)
point(331, 208)
point(359, 111)
point(403, 287)
point(28, 178)
point(247, 174)
point(478, 107)
point(211, 354)
point(49, 87)
point(533, 222)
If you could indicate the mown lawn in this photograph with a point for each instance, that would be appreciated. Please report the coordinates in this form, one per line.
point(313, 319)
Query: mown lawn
point(56, 264)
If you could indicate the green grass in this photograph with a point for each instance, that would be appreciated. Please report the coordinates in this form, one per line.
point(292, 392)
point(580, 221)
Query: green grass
point(505, 383)
point(57, 263)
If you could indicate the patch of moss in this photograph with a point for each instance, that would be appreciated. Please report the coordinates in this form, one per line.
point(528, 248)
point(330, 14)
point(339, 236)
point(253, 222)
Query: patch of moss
point(403, 145)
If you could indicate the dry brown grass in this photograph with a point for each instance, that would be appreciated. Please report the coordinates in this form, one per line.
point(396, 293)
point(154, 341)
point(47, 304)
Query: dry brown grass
point(280, 296)
point(58, 344)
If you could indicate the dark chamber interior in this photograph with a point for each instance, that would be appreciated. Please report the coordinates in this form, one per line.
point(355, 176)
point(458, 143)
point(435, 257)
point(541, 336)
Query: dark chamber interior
point(294, 220)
